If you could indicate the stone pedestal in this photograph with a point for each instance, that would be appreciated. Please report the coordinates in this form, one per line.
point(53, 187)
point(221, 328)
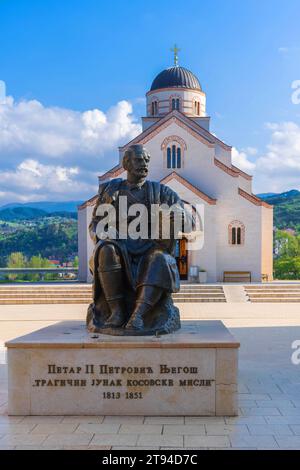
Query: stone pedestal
point(63, 370)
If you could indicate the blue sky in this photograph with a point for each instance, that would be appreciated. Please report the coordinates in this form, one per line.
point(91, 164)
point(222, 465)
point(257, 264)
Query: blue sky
point(74, 61)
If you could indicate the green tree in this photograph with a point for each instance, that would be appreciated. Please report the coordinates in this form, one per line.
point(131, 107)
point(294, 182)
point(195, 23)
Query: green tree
point(16, 260)
point(287, 268)
point(37, 261)
point(287, 245)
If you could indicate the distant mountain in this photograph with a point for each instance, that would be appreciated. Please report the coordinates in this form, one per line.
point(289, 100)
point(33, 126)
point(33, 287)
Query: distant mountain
point(19, 214)
point(286, 208)
point(264, 195)
point(64, 206)
point(278, 198)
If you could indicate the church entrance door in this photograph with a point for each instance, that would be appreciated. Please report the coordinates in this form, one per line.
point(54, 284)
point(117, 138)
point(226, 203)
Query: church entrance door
point(182, 258)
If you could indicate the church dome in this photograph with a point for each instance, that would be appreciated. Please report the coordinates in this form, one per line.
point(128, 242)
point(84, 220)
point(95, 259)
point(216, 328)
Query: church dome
point(176, 77)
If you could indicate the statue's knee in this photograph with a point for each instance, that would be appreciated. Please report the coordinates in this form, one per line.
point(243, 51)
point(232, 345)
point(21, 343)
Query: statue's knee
point(108, 255)
point(157, 256)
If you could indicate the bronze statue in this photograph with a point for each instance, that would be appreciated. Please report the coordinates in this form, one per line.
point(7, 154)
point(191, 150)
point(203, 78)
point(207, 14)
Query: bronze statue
point(134, 278)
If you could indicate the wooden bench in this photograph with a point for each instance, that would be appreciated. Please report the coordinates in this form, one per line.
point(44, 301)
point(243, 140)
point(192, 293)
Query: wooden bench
point(237, 276)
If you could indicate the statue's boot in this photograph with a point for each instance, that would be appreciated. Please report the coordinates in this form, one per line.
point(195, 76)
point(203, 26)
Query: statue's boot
point(111, 282)
point(117, 317)
point(147, 298)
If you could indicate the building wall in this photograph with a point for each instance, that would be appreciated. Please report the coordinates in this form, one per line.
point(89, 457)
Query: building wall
point(186, 96)
point(267, 242)
point(246, 257)
point(203, 121)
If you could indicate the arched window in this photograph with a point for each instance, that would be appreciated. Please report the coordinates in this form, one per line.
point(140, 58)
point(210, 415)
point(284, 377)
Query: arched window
point(169, 160)
point(197, 108)
point(173, 148)
point(154, 108)
point(178, 157)
point(174, 156)
point(238, 236)
point(175, 104)
point(236, 233)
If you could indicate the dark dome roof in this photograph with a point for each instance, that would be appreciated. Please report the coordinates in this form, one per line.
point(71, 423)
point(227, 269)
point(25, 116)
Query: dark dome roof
point(176, 77)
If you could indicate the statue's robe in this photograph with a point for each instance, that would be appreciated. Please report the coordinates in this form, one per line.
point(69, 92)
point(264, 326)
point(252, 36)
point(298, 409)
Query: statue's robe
point(144, 261)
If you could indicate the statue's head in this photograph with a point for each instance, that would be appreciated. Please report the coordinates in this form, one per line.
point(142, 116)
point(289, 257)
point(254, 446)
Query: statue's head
point(136, 161)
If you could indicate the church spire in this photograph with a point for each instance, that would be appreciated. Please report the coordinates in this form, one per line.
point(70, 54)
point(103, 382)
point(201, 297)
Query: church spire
point(175, 50)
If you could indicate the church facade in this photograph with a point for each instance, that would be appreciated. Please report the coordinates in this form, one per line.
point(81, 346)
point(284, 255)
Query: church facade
point(185, 155)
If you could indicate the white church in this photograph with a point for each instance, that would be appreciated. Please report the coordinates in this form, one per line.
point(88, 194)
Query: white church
point(185, 155)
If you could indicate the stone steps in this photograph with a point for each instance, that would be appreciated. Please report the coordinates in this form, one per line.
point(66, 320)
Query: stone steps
point(43, 300)
point(202, 299)
point(274, 293)
point(84, 300)
point(276, 299)
point(88, 287)
point(195, 289)
point(74, 294)
point(87, 292)
point(270, 289)
point(46, 296)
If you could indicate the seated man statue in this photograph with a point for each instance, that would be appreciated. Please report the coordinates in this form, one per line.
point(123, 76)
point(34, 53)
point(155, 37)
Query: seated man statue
point(134, 277)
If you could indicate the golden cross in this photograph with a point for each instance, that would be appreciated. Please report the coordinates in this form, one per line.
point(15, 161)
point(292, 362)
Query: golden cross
point(175, 50)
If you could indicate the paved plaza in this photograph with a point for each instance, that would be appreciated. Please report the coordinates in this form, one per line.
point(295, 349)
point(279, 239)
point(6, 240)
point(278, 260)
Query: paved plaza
point(269, 389)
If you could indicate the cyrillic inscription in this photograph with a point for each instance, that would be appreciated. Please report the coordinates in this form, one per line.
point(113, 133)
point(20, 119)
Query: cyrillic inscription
point(133, 379)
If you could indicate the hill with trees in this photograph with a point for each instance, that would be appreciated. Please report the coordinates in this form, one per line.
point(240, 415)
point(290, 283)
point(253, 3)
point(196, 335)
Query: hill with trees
point(45, 235)
point(286, 208)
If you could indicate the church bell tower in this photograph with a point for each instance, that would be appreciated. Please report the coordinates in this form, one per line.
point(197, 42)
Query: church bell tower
point(175, 88)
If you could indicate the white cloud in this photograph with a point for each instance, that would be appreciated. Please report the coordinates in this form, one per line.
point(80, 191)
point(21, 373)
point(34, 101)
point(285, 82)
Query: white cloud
point(250, 150)
point(51, 152)
point(241, 160)
point(283, 152)
point(2, 92)
point(32, 180)
point(278, 168)
point(30, 127)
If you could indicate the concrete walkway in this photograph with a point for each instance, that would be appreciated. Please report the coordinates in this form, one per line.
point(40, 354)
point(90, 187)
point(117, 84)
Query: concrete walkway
point(269, 389)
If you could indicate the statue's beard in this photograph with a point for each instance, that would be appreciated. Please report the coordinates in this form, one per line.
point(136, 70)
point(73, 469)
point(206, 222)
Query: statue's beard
point(141, 172)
